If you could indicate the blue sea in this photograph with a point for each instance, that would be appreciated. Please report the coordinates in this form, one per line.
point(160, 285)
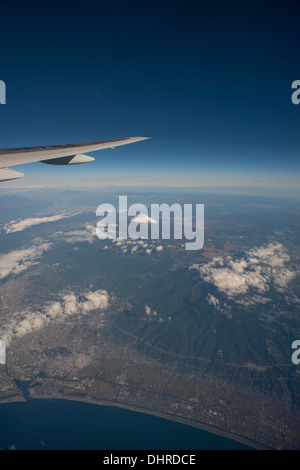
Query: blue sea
point(69, 425)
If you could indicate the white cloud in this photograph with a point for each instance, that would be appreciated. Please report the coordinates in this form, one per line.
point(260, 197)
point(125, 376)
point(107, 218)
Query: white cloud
point(147, 309)
point(213, 300)
point(86, 234)
point(20, 225)
point(260, 268)
point(81, 360)
point(67, 306)
point(134, 246)
point(221, 307)
point(69, 364)
point(149, 312)
point(94, 301)
point(17, 261)
point(255, 299)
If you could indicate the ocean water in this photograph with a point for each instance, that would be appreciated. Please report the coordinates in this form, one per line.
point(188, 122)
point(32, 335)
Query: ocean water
point(68, 425)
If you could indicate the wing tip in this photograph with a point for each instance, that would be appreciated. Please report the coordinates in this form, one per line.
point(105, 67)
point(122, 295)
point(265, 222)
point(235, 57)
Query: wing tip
point(137, 139)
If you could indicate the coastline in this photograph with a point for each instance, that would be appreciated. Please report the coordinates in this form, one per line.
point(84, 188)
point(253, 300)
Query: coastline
point(196, 424)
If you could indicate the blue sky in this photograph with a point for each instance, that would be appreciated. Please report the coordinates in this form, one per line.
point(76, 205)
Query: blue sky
point(210, 82)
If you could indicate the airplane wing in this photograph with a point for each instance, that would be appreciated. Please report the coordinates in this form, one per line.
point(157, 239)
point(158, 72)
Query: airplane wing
point(68, 154)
